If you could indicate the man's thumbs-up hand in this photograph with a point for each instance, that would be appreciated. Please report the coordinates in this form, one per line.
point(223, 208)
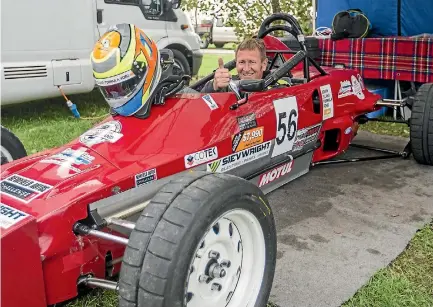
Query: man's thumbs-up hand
point(222, 76)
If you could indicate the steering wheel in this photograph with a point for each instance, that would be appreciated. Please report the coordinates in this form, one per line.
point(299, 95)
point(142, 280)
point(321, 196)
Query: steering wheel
point(293, 27)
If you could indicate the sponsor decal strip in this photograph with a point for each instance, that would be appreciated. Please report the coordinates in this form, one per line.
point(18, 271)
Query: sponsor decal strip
point(276, 173)
point(22, 188)
point(201, 157)
point(10, 216)
point(146, 177)
point(247, 121)
point(210, 102)
point(240, 158)
point(247, 138)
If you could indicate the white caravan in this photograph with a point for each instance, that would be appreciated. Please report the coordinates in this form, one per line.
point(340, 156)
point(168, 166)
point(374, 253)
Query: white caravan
point(46, 44)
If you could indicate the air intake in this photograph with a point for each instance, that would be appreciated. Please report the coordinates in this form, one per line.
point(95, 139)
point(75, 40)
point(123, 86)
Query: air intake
point(25, 72)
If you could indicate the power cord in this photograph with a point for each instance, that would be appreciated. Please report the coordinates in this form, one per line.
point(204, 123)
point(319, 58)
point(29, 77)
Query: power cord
point(73, 107)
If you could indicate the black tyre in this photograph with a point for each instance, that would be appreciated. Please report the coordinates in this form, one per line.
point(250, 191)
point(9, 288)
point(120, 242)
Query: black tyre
point(421, 125)
point(181, 65)
point(11, 147)
point(219, 45)
point(192, 242)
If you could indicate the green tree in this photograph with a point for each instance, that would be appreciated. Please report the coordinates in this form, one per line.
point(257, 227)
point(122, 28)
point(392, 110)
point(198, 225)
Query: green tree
point(246, 16)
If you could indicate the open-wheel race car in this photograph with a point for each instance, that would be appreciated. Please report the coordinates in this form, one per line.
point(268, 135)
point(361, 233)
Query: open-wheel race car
point(171, 210)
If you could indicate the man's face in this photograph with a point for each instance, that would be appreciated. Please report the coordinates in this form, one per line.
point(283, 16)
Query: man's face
point(249, 64)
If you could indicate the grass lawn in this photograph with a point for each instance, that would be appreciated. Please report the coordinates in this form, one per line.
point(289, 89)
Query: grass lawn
point(407, 281)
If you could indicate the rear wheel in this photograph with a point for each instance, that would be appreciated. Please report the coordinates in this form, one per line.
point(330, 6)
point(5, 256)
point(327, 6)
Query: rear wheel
point(421, 125)
point(203, 240)
point(219, 45)
point(11, 147)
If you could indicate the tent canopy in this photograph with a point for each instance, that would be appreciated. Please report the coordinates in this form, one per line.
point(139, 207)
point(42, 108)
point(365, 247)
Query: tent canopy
point(388, 17)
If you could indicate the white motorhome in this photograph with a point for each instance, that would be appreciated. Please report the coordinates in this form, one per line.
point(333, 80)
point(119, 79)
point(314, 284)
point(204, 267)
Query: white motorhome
point(46, 44)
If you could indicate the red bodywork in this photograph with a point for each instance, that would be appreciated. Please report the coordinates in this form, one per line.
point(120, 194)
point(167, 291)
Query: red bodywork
point(42, 258)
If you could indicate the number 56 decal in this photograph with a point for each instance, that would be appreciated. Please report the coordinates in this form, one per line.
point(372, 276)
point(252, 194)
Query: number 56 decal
point(286, 112)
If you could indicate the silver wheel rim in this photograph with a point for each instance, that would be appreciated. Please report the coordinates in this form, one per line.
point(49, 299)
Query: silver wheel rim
point(5, 155)
point(229, 263)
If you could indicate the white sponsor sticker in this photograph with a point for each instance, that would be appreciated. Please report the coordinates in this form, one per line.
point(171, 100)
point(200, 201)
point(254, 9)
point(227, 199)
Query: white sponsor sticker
point(106, 132)
point(10, 216)
point(145, 177)
point(276, 173)
point(116, 79)
point(201, 157)
point(345, 89)
point(356, 87)
point(306, 136)
point(22, 188)
point(210, 102)
point(240, 158)
point(63, 165)
point(348, 130)
point(286, 112)
point(328, 101)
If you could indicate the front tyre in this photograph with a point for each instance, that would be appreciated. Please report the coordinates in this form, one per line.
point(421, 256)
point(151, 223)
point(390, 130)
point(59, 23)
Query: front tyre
point(11, 147)
point(204, 240)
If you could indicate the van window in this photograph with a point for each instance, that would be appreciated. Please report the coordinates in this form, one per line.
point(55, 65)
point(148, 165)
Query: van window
point(152, 9)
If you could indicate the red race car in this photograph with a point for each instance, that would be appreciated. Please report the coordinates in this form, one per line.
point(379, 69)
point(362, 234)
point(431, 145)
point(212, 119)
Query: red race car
point(171, 210)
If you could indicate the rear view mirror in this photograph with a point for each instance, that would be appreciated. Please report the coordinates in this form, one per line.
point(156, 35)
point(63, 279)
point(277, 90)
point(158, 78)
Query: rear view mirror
point(151, 7)
point(251, 85)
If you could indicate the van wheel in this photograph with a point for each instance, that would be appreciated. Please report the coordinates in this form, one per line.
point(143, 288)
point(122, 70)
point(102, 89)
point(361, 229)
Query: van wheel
point(11, 147)
point(181, 65)
point(204, 42)
point(219, 45)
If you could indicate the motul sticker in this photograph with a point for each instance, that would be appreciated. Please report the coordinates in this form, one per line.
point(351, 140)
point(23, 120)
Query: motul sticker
point(10, 216)
point(246, 139)
point(106, 132)
point(306, 136)
point(247, 121)
point(145, 177)
point(276, 173)
point(210, 102)
point(240, 158)
point(328, 101)
point(22, 188)
point(201, 157)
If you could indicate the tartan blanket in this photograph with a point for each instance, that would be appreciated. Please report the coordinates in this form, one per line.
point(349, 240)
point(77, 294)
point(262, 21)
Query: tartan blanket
point(391, 58)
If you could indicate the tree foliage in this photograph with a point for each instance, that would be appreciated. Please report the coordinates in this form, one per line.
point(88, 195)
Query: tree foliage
point(246, 16)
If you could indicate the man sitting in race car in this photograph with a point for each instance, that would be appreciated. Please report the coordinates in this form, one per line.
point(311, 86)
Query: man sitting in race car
point(251, 63)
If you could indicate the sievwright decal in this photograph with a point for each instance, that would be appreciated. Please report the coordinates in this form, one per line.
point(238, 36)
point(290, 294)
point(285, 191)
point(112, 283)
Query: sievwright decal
point(240, 158)
point(10, 216)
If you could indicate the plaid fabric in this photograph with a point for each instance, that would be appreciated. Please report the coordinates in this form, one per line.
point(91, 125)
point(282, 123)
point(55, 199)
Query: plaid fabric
point(392, 58)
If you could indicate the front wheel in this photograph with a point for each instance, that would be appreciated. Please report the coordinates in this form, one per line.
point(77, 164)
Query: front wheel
point(204, 240)
point(11, 147)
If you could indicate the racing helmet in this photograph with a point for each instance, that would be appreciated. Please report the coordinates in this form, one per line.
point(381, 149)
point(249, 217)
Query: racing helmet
point(126, 67)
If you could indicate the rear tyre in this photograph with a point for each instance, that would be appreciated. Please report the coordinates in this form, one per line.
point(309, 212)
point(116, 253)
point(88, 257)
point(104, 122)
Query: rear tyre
point(11, 147)
point(204, 240)
point(421, 125)
point(219, 45)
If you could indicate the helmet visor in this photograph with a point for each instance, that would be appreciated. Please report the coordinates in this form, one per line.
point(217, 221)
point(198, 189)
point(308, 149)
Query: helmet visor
point(116, 90)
